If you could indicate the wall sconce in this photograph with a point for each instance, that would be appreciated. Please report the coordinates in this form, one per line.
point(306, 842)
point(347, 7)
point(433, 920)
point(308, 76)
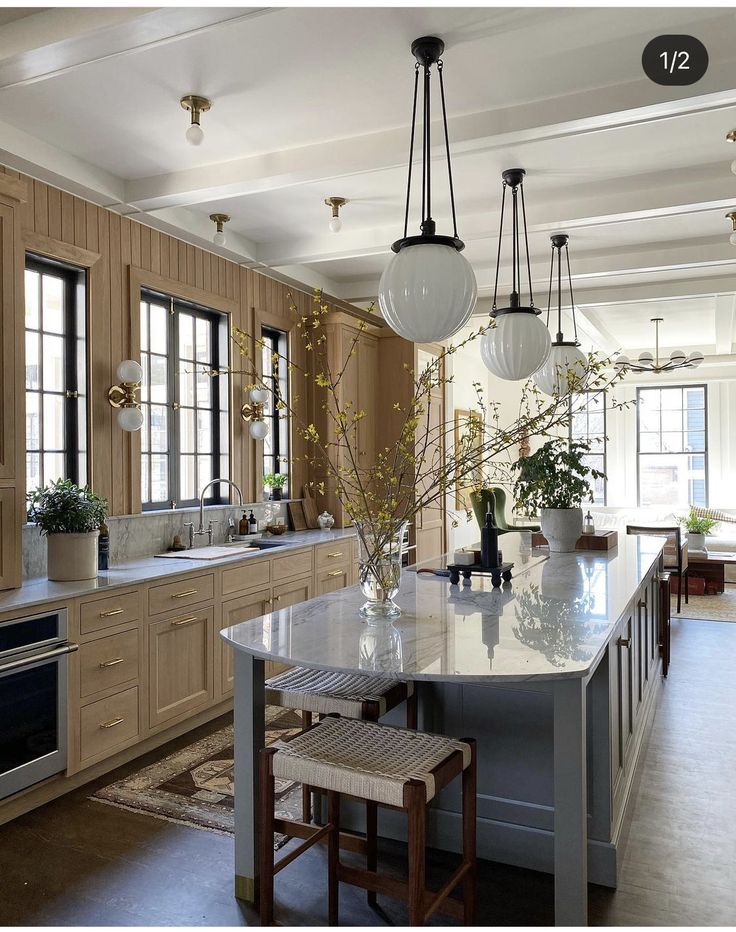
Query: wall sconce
point(219, 239)
point(252, 413)
point(335, 203)
point(123, 396)
point(196, 106)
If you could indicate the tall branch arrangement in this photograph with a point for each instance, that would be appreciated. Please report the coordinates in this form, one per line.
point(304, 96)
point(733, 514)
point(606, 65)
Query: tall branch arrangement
point(420, 463)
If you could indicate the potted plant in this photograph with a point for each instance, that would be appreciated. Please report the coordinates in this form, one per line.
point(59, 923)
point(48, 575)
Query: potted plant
point(70, 517)
point(553, 482)
point(276, 482)
point(697, 528)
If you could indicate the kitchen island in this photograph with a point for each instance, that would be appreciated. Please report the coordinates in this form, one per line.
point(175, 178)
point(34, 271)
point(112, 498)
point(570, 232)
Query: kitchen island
point(555, 674)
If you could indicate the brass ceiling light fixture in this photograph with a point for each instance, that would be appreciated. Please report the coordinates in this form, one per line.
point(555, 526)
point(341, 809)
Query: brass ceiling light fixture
point(732, 217)
point(196, 106)
point(648, 362)
point(219, 220)
point(731, 137)
point(335, 203)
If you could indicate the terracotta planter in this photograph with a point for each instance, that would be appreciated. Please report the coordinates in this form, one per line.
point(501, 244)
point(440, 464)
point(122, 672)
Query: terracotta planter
point(72, 556)
point(562, 527)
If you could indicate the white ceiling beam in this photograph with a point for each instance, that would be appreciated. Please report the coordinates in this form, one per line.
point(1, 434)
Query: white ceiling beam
point(725, 319)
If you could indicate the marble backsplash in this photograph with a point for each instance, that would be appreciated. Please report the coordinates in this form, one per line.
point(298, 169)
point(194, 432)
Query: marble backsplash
point(141, 535)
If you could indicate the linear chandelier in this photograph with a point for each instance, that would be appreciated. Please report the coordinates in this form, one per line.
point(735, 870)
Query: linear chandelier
point(651, 363)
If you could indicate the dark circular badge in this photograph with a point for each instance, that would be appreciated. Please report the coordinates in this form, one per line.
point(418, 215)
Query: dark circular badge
point(675, 60)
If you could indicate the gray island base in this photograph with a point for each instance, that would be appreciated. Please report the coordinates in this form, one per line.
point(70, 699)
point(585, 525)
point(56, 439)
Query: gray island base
point(556, 675)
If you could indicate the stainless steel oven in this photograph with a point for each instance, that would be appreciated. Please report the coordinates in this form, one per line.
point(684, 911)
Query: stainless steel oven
point(34, 653)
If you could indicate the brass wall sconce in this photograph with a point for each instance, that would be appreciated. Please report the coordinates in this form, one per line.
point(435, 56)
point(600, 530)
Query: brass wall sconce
point(252, 413)
point(123, 398)
point(196, 106)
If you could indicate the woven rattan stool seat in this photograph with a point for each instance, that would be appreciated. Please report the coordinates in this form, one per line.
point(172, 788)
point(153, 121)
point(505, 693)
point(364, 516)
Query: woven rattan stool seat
point(326, 692)
point(364, 759)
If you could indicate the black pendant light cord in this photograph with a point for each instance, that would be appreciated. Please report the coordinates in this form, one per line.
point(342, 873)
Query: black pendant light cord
point(558, 241)
point(498, 254)
point(426, 160)
point(549, 293)
point(526, 243)
point(447, 148)
point(516, 188)
point(411, 149)
point(572, 296)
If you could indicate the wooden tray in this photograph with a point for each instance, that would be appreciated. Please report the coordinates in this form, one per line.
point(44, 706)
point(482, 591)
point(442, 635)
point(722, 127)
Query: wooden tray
point(601, 540)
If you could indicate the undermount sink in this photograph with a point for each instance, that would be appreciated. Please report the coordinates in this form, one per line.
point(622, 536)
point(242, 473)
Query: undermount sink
point(266, 542)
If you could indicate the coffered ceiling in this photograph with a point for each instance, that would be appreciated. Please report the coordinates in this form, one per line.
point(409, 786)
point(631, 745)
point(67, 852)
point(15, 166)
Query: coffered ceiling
point(309, 103)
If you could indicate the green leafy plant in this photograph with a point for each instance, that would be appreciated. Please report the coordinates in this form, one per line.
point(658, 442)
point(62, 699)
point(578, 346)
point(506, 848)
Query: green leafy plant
point(65, 508)
point(275, 480)
point(694, 524)
point(555, 476)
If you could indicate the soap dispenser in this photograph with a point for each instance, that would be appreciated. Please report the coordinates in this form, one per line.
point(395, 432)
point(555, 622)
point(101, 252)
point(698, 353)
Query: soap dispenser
point(243, 525)
point(489, 542)
point(252, 524)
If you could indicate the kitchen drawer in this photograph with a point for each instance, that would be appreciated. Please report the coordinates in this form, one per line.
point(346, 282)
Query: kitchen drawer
point(292, 564)
point(108, 723)
point(334, 579)
point(108, 662)
point(114, 610)
point(330, 556)
point(181, 593)
point(250, 574)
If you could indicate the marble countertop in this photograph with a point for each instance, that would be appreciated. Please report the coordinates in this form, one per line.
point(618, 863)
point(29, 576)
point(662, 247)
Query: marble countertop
point(553, 620)
point(151, 569)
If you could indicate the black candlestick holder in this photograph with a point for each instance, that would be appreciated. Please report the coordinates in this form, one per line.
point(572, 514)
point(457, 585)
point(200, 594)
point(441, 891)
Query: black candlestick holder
point(497, 573)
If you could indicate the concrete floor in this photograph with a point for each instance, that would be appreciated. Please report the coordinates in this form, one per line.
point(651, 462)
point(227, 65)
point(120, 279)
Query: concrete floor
point(78, 862)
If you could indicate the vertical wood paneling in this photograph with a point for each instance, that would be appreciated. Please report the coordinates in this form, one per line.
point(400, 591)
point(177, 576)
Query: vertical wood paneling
point(40, 208)
point(145, 232)
point(155, 252)
point(54, 208)
point(80, 223)
point(118, 309)
point(67, 218)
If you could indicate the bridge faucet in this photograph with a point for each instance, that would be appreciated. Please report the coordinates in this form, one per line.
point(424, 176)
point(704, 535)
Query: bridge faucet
point(209, 530)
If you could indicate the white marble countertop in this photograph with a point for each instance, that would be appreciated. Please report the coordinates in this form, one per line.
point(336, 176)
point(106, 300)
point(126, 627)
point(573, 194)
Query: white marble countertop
point(554, 620)
point(150, 569)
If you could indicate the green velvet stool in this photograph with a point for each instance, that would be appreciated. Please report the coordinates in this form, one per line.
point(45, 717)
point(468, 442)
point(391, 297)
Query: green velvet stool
point(496, 498)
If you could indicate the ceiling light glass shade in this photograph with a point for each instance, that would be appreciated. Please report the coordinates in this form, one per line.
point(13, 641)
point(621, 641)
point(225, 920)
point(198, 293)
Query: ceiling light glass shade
point(129, 371)
point(335, 224)
point(694, 360)
point(258, 429)
point(427, 292)
point(677, 356)
point(194, 134)
point(732, 239)
point(622, 361)
point(646, 359)
point(130, 419)
point(259, 396)
point(564, 372)
point(219, 239)
point(516, 347)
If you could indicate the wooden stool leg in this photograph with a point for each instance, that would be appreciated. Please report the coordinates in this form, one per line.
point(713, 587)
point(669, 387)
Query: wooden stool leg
point(266, 852)
point(415, 795)
point(411, 710)
point(371, 838)
point(306, 792)
point(333, 858)
point(470, 883)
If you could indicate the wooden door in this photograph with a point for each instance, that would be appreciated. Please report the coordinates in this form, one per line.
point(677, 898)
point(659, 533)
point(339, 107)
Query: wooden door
point(180, 665)
point(234, 611)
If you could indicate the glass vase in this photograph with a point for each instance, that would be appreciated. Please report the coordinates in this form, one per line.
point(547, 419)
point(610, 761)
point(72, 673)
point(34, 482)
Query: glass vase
point(379, 569)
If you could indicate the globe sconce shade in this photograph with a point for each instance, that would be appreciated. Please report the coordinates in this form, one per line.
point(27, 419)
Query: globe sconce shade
point(130, 419)
point(427, 291)
point(564, 372)
point(253, 413)
point(123, 397)
point(129, 371)
point(517, 346)
point(259, 396)
point(258, 430)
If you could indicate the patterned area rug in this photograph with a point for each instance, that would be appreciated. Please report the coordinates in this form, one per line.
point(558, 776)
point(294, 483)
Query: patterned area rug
point(720, 607)
point(194, 786)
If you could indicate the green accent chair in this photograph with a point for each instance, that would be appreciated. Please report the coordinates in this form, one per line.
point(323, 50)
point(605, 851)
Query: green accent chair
point(496, 498)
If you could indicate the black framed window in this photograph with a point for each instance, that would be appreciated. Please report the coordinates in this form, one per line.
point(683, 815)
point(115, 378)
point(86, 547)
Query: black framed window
point(56, 372)
point(589, 424)
point(275, 369)
point(184, 437)
point(672, 445)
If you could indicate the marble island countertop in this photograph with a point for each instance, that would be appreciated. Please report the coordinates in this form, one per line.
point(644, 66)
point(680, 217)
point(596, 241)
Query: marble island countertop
point(553, 620)
point(135, 572)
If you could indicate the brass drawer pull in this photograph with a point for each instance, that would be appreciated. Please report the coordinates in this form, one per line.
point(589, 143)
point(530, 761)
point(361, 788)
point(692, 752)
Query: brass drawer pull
point(183, 595)
point(112, 723)
point(112, 663)
point(277, 598)
point(336, 573)
point(115, 611)
point(624, 642)
point(267, 601)
point(184, 621)
point(337, 553)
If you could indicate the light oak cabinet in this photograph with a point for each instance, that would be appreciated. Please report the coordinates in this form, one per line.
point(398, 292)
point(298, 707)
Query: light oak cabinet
point(235, 611)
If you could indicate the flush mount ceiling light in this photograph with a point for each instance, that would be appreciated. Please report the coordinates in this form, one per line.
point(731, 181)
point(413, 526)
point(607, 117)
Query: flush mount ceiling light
point(732, 217)
point(219, 220)
point(335, 203)
point(566, 368)
point(519, 343)
point(252, 414)
point(428, 289)
point(648, 363)
point(122, 397)
point(196, 106)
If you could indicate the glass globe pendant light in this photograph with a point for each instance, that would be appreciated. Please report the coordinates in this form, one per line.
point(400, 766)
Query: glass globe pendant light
point(428, 289)
point(519, 343)
point(566, 368)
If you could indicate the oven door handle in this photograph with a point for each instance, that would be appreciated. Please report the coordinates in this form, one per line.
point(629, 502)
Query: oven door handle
point(36, 658)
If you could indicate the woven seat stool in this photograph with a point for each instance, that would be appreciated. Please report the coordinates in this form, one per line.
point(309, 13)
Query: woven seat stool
point(383, 766)
point(352, 695)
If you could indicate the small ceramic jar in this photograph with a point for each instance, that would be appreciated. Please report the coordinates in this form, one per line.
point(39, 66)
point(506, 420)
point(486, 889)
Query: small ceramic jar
point(326, 521)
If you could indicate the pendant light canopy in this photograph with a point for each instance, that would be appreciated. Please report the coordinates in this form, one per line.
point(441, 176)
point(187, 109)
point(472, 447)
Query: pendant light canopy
point(566, 368)
point(519, 343)
point(428, 289)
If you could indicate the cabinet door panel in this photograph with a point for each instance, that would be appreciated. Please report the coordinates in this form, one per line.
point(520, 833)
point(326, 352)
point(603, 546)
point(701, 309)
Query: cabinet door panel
point(234, 611)
point(181, 667)
point(292, 592)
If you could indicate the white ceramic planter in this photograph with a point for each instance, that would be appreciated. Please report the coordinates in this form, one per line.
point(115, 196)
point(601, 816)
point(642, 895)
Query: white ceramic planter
point(562, 527)
point(72, 556)
point(695, 541)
